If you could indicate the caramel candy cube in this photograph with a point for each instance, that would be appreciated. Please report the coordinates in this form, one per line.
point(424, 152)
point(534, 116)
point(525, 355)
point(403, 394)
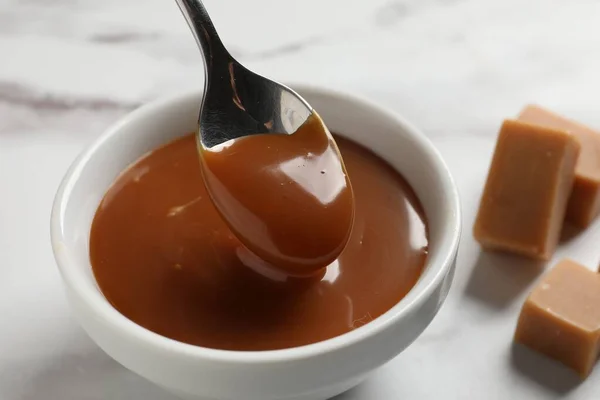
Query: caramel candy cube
point(525, 196)
point(584, 203)
point(561, 317)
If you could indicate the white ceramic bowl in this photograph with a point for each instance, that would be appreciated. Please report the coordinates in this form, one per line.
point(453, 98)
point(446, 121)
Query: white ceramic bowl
point(313, 372)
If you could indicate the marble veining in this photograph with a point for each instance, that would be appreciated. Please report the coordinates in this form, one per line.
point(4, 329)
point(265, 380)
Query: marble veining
point(454, 68)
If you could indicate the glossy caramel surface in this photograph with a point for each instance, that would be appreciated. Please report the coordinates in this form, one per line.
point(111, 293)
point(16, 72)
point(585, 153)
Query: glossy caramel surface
point(286, 197)
point(164, 258)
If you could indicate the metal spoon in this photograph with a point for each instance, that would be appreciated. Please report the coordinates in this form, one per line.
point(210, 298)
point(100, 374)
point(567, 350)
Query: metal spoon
point(237, 102)
point(299, 241)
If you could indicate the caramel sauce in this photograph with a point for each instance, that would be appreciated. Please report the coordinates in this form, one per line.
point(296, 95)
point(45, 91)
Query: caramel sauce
point(286, 197)
point(163, 256)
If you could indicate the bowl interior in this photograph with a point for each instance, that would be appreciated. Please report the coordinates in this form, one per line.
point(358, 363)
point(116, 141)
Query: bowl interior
point(384, 133)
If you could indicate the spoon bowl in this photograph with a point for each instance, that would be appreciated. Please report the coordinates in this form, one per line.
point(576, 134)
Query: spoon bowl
point(238, 102)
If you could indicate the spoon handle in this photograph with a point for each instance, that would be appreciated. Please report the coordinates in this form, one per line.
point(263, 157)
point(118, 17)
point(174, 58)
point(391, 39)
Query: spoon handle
point(204, 31)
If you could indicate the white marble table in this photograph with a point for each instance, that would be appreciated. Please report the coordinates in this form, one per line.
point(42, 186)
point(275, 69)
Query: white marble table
point(455, 68)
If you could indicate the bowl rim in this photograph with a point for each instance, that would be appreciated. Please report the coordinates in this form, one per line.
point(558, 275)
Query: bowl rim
point(98, 303)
